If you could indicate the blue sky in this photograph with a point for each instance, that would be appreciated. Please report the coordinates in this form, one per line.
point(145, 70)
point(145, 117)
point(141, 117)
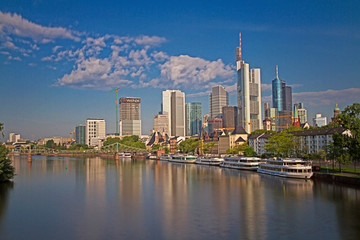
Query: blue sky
point(59, 59)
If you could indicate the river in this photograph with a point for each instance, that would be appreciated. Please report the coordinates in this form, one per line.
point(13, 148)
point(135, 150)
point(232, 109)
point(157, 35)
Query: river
point(97, 198)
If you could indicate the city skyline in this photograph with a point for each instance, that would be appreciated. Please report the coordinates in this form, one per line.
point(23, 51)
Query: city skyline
point(59, 60)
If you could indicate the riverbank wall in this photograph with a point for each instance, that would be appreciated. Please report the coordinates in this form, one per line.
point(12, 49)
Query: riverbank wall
point(355, 181)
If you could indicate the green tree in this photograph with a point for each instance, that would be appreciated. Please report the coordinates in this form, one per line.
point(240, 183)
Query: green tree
point(208, 148)
point(167, 150)
point(7, 171)
point(282, 144)
point(189, 145)
point(50, 144)
point(349, 119)
point(337, 149)
point(156, 147)
point(111, 140)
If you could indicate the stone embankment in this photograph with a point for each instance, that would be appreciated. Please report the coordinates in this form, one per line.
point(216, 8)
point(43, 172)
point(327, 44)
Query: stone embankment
point(336, 178)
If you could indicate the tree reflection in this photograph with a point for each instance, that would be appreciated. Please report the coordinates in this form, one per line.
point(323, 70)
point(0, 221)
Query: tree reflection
point(4, 193)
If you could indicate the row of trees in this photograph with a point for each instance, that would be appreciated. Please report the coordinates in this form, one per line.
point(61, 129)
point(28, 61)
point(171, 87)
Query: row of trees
point(132, 141)
point(7, 171)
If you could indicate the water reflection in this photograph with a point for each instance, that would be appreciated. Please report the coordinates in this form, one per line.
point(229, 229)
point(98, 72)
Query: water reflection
point(107, 198)
point(5, 188)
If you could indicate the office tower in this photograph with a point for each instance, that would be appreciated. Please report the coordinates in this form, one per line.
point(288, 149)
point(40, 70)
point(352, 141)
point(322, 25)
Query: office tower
point(130, 116)
point(249, 94)
point(218, 98)
point(302, 113)
point(11, 137)
point(94, 131)
point(80, 134)
point(230, 117)
point(161, 124)
point(319, 121)
point(174, 106)
point(266, 110)
point(282, 101)
point(214, 124)
point(193, 118)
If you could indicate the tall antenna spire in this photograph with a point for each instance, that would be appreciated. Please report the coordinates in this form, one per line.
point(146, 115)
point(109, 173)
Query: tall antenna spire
point(277, 72)
point(240, 44)
point(238, 50)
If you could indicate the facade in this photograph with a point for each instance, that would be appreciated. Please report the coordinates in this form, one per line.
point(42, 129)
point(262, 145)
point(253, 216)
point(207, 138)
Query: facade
point(218, 98)
point(214, 123)
point(230, 117)
point(249, 94)
point(311, 141)
point(57, 141)
point(161, 124)
point(95, 128)
point(12, 137)
point(193, 118)
point(80, 134)
point(302, 113)
point(173, 105)
point(130, 127)
point(130, 116)
point(229, 141)
point(319, 121)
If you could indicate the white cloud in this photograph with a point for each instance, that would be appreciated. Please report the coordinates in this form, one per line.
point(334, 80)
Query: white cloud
point(16, 25)
point(266, 87)
point(193, 72)
point(150, 40)
point(54, 49)
point(328, 97)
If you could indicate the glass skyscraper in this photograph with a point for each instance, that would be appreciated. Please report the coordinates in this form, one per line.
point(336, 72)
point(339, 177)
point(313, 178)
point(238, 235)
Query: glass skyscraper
point(193, 118)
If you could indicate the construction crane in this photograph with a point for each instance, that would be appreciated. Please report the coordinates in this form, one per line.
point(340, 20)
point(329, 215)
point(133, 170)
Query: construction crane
point(117, 110)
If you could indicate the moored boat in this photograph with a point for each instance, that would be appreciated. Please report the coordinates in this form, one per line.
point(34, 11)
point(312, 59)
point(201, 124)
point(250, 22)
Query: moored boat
point(124, 155)
point(287, 167)
point(183, 159)
point(214, 161)
point(165, 157)
point(242, 163)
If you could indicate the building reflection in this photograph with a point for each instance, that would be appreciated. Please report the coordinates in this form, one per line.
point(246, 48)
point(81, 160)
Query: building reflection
point(162, 200)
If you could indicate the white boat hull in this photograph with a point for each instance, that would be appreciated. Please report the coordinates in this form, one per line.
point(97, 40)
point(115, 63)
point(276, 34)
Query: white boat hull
point(286, 174)
point(240, 167)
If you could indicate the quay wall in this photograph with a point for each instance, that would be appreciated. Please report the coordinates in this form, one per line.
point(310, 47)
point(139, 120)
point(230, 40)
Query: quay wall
point(337, 178)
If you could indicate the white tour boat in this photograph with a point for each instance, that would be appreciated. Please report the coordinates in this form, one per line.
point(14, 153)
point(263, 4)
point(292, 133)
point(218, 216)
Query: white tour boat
point(183, 158)
point(124, 155)
point(287, 167)
point(209, 161)
point(243, 163)
point(165, 157)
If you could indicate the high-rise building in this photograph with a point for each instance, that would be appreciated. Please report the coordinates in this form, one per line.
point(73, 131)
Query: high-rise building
point(319, 121)
point(218, 98)
point(230, 117)
point(302, 113)
point(193, 118)
point(95, 130)
point(80, 134)
point(161, 124)
point(282, 101)
point(249, 94)
point(173, 105)
point(12, 137)
point(214, 123)
point(130, 116)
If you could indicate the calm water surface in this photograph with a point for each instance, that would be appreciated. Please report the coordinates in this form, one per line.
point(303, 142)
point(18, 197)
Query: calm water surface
point(95, 198)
